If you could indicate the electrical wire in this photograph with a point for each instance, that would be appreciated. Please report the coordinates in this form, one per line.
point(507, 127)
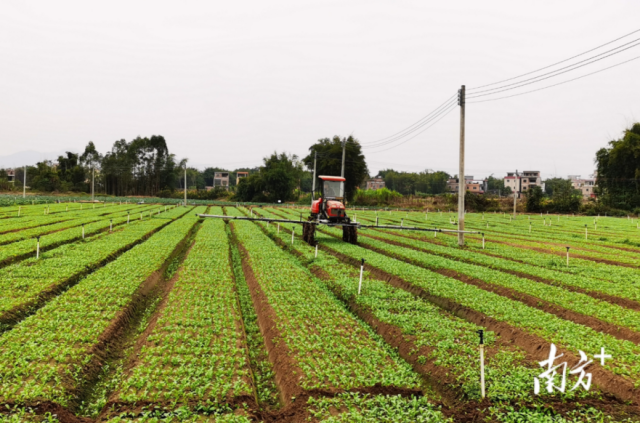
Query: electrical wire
point(555, 85)
point(554, 64)
point(409, 139)
point(551, 76)
point(557, 71)
point(413, 125)
point(391, 141)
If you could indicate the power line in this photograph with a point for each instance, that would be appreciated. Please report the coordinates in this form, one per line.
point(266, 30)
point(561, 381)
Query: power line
point(557, 71)
point(557, 63)
point(555, 85)
point(409, 139)
point(409, 128)
point(391, 141)
point(551, 76)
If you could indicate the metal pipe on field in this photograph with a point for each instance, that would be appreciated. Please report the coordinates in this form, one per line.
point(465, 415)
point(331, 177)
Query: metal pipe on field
point(361, 271)
point(481, 347)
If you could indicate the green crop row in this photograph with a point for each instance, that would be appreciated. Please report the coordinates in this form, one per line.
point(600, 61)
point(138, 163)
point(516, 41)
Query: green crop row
point(578, 302)
point(195, 354)
point(452, 340)
point(74, 222)
point(26, 222)
point(330, 347)
point(43, 358)
point(563, 333)
point(583, 267)
point(16, 250)
point(427, 243)
point(22, 283)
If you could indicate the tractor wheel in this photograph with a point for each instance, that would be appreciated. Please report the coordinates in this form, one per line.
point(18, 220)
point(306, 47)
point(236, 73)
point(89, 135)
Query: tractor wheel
point(350, 234)
point(308, 233)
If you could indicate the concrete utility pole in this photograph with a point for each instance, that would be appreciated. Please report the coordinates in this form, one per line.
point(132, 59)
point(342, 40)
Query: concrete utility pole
point(185, 185)
point(344, 149)
point(515, 194)
point(24, 184)
point(313, 184)
point(462, 183)
point(93, 176)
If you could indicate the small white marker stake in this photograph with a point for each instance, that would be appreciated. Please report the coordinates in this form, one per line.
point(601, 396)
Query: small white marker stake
point(292, 233)
point(361, 270)
point(110, 225)
point(568, 256)
point(38, 248)
point(127, 218)
point(483, 241)
point(316, 250)
point(83, 231)
point(482, 390)
point(278, 228)
point(402, 222)
point(585, 232)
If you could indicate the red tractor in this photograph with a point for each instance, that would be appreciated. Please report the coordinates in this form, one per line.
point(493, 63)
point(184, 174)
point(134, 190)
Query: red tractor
point(329, 210)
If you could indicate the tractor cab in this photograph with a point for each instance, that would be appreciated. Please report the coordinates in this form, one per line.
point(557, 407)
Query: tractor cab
point(329, 207)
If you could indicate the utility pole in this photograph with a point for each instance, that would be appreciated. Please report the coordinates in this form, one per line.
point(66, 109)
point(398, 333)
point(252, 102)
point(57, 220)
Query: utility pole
point(462, 183)
point(93, 176)
point(24, 184)
point(515, 193)
point(185, 185)
point(313, 184)
point(344, 148)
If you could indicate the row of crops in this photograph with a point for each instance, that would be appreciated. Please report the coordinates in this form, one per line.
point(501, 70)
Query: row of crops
point(147, 313)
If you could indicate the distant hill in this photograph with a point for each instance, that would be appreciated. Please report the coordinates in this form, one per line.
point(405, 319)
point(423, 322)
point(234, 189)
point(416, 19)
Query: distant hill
point(28, 158)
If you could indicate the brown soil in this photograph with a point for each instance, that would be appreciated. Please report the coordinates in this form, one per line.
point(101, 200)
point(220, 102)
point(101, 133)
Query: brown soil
point(563, 254)
point(12, 317)
point(536, 346)
point(112, 340)
point(10, 260)
point(280, 356)
point(623, 302)
point(597, 324)
point(31, 227)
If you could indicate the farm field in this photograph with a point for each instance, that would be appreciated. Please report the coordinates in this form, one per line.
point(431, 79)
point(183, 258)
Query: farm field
point(156, 315)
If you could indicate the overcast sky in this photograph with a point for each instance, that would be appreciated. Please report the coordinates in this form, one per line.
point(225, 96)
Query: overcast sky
point(226, 83)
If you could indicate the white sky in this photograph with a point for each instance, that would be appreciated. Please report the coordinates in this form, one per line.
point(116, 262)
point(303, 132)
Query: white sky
point(227, 83)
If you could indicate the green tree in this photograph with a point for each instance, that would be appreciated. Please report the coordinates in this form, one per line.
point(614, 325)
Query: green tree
point(534, 199)
point(250, 188)
point(618, 167)
point(551, 184)
point(280, 175)
point(565, 198)
point(330, 162)
point(496, 186)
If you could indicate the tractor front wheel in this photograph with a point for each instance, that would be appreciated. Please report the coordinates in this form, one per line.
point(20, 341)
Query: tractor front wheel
point(309, 233)
point(350, 234)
